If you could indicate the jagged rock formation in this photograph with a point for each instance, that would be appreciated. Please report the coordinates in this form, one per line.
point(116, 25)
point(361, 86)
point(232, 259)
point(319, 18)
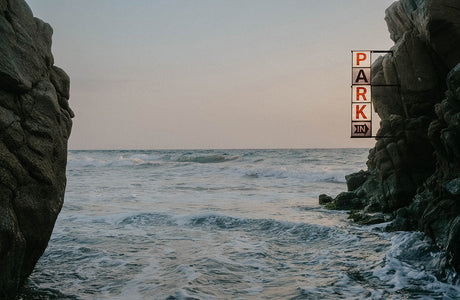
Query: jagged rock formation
point(35, 123)
point(414, 169)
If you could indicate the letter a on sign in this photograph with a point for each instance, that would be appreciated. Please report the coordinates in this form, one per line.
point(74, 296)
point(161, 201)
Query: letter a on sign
point(361, 75)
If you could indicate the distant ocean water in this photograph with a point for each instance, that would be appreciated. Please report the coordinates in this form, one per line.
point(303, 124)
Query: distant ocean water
point(223, 224)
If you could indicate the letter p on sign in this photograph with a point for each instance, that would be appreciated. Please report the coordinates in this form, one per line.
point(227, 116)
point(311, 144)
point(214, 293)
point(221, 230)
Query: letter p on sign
point(361, 59)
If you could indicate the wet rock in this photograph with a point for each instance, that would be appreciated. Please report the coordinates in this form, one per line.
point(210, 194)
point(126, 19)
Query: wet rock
point(355, 180)
point(403, 221)
point(324, 199)
point(348, 200)
point(368, 218)
point(453, 241)
point(437, 220)
point(25, 51)
point(35, 123)
point(453, 186)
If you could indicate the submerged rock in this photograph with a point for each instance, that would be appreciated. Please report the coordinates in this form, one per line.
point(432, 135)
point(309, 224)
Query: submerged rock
point(414, 168)
point(35, 123)
point(368, 218)
point(324, 199)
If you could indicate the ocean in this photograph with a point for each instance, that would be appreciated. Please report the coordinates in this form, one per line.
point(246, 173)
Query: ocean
point(224, 224)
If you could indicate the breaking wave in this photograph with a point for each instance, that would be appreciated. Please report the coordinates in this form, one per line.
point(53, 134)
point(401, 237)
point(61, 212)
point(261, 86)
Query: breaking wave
point(207, 159)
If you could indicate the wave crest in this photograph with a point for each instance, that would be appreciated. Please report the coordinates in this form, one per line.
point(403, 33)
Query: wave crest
point(296, 232)
point(309, 176)
point(206, 159)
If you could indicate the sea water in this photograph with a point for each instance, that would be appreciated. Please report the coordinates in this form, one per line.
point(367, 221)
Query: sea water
point(224, 224)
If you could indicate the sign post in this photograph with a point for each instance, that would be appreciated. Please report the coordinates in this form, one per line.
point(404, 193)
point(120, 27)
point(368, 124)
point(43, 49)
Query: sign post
point(361, 101)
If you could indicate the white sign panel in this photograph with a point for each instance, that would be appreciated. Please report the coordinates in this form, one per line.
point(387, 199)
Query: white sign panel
point(361, 59)
point(361, 93)
point(361, 112)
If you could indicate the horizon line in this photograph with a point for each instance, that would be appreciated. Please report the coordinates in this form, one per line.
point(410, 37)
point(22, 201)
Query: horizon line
point(201, 149)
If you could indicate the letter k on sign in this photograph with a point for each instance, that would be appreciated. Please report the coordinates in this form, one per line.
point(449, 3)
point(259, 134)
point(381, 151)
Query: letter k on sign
point(361, 112)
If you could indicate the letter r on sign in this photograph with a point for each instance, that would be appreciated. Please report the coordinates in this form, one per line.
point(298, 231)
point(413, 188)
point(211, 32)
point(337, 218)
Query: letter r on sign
point(361, 92)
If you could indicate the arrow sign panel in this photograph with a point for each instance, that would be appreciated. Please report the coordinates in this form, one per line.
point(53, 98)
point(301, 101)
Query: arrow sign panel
point(361, 129)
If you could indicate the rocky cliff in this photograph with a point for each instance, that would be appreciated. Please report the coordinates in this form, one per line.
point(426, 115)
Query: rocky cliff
point(35, 123)
point(413, 174)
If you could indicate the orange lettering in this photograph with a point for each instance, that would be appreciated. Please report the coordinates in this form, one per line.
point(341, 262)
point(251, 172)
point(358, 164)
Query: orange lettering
point(360, 57)
point(360, 111)
point(361, 91)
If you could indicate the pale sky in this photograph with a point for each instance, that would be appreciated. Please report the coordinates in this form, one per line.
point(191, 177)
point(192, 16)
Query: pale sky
point(199, 74)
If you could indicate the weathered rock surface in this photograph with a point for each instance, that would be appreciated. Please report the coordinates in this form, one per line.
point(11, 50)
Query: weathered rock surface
point(35, 123)
point(414, 169)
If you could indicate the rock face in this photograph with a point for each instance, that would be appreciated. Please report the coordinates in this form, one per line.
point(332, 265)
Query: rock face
point(35, 123)
point(414, 169)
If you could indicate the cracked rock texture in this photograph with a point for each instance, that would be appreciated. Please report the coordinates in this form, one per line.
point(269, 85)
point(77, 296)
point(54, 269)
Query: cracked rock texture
point(414, 169)
point(35, 123)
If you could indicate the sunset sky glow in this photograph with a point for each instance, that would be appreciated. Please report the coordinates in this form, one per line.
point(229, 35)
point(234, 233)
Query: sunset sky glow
point(212, 74)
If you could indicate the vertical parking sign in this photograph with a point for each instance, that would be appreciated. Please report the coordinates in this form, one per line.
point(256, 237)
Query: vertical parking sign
point(361, 101)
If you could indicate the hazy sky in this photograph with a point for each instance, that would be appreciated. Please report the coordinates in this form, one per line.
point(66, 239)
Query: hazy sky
point(172, 74)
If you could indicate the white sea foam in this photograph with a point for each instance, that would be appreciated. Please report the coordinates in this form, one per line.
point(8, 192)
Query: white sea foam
point(77, 160)
point(405, 266)
point(286, 173)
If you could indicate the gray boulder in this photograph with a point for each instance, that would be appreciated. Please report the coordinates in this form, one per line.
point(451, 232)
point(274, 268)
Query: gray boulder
point(35, 123)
